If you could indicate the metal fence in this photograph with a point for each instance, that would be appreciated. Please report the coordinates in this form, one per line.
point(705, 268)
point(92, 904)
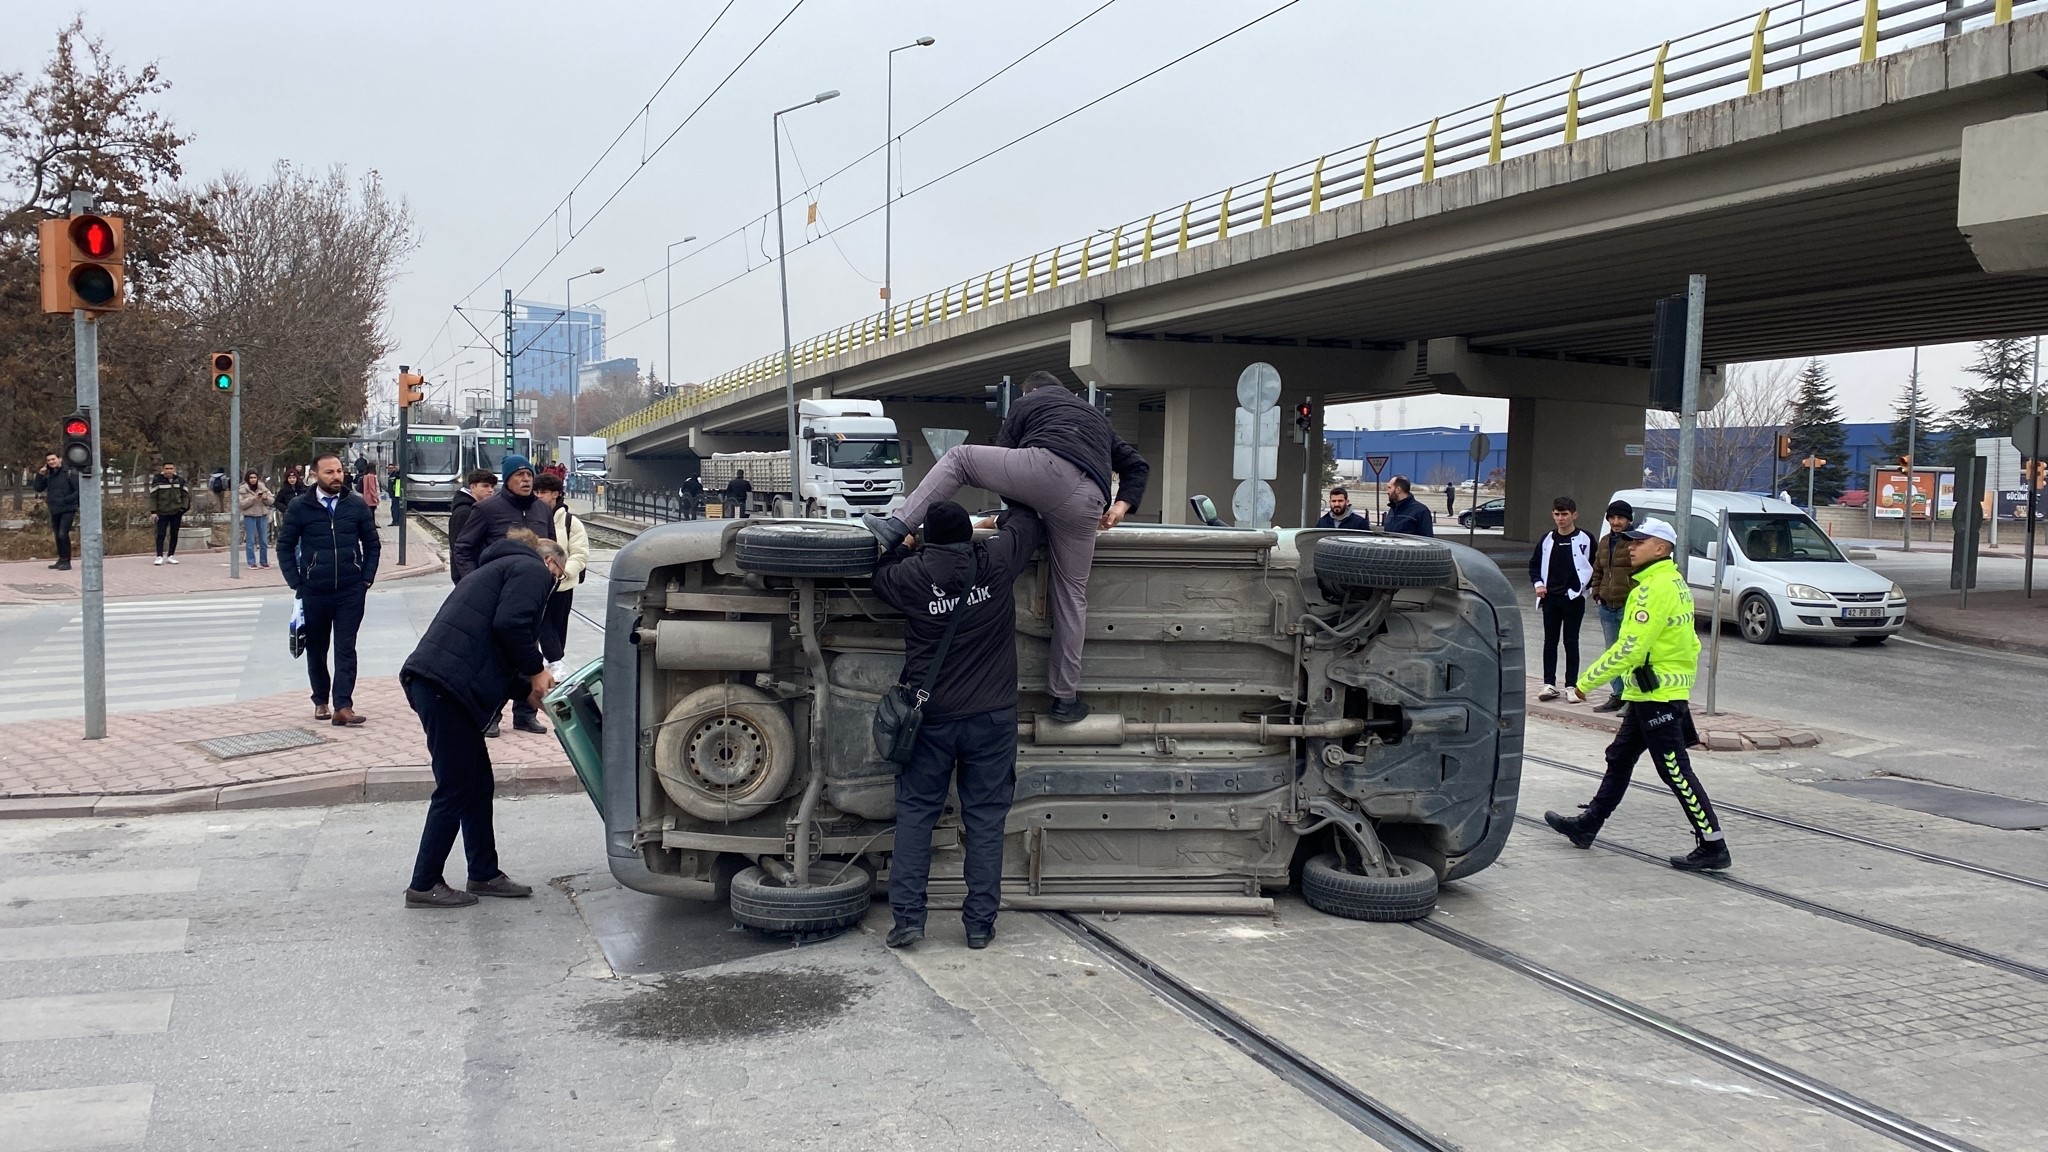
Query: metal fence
point(1745, 56)
point(657, 505)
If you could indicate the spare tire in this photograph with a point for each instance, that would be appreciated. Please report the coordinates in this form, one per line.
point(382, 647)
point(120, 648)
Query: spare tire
point(806, 548)
point(1381, 562)
point(830, 905)
point(1330, 888)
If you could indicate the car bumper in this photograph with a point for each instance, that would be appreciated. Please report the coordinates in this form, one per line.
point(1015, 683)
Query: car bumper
point(1806, 619)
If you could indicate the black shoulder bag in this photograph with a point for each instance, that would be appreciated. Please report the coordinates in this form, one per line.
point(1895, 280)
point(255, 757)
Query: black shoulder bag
point(901, 712)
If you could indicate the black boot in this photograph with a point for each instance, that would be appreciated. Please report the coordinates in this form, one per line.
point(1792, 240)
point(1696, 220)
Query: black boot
point(1710, 856)
point(904, 935)
point(1577, 829)
point(888, 530)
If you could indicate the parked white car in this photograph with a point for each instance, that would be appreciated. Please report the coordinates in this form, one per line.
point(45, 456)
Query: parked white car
point(1784, 575)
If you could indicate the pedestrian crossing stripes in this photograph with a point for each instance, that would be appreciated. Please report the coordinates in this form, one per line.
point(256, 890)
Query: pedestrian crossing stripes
point(160, 654)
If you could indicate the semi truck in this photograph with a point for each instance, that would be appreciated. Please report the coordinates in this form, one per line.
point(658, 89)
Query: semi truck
point(581, 455)
point(853, 464)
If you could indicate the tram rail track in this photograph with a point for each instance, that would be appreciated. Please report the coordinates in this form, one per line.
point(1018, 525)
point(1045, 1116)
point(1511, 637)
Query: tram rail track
point(1389, 1127)
point(2034, 882)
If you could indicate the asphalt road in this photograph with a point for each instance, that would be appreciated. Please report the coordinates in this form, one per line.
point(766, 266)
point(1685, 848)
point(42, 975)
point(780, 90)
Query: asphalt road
point(1916, 707)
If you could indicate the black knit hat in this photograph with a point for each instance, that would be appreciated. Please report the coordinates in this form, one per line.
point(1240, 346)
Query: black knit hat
point(1622, 509)
point(947, 523)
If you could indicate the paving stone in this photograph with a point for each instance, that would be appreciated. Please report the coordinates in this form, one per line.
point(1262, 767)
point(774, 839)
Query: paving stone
point(1800, 738)
point(1765, 742)
point(1723, 742)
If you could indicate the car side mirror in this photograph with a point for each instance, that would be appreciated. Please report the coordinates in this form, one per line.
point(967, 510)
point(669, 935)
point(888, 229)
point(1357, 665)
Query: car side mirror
point(1713, 550)
point(1205, 511)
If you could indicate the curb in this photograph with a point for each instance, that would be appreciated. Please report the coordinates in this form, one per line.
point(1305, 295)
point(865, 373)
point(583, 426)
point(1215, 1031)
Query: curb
point(348, 786)
point(1716, 733)
point(1976, 640)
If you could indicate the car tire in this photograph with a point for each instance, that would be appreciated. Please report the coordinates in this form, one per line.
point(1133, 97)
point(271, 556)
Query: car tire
point(1333, 890)
point(760, 902)
point(1464, 519)
point(1757, 617)
point(1870, 641)
point(1377, 563)
point(806, 548)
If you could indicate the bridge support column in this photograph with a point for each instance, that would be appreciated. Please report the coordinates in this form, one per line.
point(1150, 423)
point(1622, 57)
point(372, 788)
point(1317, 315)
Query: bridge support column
point(1572, 448)
point(1194, 458)
point(2002, 207)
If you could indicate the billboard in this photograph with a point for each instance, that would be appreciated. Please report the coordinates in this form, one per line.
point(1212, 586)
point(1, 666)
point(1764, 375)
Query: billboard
point(1888, 493)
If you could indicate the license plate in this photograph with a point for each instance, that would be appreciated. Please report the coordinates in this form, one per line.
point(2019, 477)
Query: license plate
point(1862, 613)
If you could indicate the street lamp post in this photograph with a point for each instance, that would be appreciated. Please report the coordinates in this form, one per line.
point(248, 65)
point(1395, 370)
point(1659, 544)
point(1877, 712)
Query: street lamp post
point(458, 382)
point(796, 463)
point(575, 361)
point(668, 314)
point(889, 176)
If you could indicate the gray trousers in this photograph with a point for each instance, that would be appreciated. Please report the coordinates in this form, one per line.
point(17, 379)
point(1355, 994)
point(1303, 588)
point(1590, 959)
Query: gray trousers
point(1070, 505)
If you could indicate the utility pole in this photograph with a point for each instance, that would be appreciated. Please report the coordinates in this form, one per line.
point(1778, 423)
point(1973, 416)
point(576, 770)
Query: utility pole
point(92, 585)
point(405, 461)
point(889, 177)
point(1912, 430)
point(235, 470)
point(508, 362)
point(1689, 413)
point(796, 457)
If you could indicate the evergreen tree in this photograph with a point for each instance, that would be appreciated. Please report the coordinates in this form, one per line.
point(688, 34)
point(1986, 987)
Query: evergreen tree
point(2006, 369)
point(1924, 441)
point(1815, 425)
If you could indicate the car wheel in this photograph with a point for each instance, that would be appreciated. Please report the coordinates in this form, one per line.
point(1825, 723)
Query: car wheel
point(836, 902)
point(1464, 519)
point(1759, 620)
point(1330, 888)
point(1377, 563)
point(806, 548)
point(725, 752)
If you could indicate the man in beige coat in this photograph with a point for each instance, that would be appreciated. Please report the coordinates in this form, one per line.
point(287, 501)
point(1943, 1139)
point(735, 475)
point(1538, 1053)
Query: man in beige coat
point(570, 534)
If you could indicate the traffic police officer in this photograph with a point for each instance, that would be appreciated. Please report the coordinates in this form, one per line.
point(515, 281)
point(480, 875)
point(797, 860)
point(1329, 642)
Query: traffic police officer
point(969, 730)
point(1656, 657)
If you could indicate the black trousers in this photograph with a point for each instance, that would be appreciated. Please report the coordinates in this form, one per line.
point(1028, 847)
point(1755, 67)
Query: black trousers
point(167, 534)
point(978, 756)
point(1562, 616)
point(332, 621)
point(554, 624)
point(463, 788)
point(61, 524)
point(1663, 730)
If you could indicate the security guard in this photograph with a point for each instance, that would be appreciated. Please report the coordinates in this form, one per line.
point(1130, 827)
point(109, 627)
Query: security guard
point(1656, 657)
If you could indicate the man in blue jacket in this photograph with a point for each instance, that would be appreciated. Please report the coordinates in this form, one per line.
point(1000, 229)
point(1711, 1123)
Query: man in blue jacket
point(1406, 514)
point(970, 723)
point(327, 550)
point(482, 649)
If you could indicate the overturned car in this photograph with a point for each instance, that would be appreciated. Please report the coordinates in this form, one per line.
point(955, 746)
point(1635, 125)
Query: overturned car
point(1341, 710)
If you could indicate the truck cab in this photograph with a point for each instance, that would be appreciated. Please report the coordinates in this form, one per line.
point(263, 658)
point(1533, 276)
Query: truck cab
point(853, 459)
point(1337, 709)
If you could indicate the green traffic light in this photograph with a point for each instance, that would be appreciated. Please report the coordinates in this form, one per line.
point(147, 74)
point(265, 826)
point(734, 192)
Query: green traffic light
point(224, 382)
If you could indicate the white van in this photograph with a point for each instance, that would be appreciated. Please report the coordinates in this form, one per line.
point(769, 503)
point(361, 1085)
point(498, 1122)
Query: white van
point(1784, 575)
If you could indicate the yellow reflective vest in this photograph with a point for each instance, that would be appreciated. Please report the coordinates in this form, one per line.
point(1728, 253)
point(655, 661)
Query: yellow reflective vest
point(1657, 630)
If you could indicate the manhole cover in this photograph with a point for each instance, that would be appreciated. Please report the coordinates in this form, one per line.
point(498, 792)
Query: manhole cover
point(257, 743)
point(45, 589)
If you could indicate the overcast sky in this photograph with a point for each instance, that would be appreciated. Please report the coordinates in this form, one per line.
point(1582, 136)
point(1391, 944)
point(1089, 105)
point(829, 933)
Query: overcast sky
point(485, 114)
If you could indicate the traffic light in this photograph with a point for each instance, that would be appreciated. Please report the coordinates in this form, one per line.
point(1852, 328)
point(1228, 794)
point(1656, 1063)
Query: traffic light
point(1814, 462)
point(411, 388)
point(1099, 399)
point(82, 263)
point(1304, 419)
point(1906, 462)
point(78, 441)
point(224, 372)
point(1667, 355)
point(1784, 447)
point(999, 397)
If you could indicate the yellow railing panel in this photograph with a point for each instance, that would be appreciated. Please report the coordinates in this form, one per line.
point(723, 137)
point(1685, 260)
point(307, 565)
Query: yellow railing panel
point(1223, 219)
point(1429, 152)
point(1145, 253)
point(1500, 108)
point(2001, 12)
point(1657, 82)
point(1266, 210)
point(1184, 210)
point(1315, 188)
point(1371, 151)
point(1571, 109)
point(1869, 52)
point(1756, 53)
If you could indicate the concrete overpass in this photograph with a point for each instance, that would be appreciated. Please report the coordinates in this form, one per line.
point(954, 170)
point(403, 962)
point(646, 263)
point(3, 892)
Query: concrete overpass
point(1898, 198)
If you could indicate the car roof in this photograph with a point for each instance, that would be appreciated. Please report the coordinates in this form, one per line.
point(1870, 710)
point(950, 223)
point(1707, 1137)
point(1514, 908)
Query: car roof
point(1708, 501)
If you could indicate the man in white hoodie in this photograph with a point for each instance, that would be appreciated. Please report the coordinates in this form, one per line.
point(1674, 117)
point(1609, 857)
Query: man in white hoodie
point(569, 533)
point(1562, 571)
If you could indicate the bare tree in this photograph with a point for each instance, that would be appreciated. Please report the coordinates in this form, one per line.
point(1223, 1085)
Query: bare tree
point(1737, 442)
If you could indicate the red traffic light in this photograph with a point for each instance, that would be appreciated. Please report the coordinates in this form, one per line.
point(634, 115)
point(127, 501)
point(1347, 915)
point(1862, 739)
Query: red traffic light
point(93, 236)
point(76, 426)
point(1303, 409)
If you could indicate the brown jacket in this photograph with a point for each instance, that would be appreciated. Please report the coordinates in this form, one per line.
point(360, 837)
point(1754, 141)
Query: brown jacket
point(1613, 575)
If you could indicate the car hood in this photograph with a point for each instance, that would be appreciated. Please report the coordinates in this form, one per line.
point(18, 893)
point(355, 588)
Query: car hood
point(1828, 577)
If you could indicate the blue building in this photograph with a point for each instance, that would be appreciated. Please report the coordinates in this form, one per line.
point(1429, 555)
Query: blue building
point(1429, 457)
point(547, 340)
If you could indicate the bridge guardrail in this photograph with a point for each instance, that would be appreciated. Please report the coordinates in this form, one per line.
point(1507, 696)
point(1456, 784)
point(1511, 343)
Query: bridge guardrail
point(1739, 57)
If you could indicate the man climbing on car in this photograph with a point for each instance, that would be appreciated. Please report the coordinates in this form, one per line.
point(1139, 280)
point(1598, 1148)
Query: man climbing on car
point(1055, 453)
point(1656, 658)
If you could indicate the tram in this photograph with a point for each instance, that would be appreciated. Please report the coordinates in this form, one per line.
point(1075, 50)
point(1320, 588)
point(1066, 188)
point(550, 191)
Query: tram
point(485, 448)
point(433, 471)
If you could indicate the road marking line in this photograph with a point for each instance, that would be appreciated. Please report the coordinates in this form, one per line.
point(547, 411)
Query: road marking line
point(76, 1117)
point(86, 1017)
point(83, 885)
point(76, 941)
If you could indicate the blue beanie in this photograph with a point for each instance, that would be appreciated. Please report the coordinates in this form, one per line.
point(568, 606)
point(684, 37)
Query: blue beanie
point(516, 463)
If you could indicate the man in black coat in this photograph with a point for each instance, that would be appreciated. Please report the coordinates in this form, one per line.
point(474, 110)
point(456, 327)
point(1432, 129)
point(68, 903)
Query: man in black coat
point(737, 492)
point(1405, 514)
point(512, 506)
point(481, 649)
point(970, 722)
point(1057, 454)
point(479, 486)
point(327, 550)
point(59, 488)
